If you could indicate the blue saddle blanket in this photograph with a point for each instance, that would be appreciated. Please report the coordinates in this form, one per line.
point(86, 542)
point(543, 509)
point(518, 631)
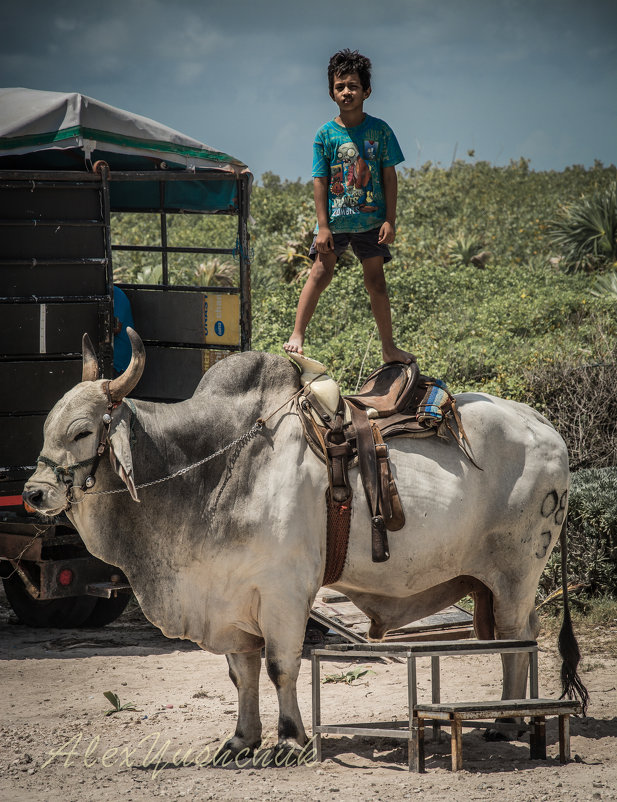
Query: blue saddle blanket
point(431, 409)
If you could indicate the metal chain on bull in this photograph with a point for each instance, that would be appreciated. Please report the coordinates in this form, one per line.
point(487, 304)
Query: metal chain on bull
point(240, 441)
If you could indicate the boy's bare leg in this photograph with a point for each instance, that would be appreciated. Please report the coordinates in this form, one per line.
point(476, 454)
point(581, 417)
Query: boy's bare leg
point(319, 278)
point(375, 283)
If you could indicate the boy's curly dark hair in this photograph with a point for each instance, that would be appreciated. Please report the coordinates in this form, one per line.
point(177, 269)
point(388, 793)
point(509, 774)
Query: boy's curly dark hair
point(347, 61)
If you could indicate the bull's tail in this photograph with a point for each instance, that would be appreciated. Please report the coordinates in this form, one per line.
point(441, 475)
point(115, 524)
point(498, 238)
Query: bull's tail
point(571, 684)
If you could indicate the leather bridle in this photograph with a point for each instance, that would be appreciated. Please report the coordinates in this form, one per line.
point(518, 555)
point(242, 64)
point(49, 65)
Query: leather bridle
point(62, 471)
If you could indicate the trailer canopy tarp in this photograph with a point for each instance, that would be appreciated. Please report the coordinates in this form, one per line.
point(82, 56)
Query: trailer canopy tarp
point(42, 130)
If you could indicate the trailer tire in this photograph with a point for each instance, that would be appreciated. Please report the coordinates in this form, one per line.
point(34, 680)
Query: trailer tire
point(107, 610)
point(65, 613)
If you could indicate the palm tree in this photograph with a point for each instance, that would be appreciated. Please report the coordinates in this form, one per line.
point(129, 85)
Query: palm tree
point(215, 272)
point(464, 248)
point(605, 285)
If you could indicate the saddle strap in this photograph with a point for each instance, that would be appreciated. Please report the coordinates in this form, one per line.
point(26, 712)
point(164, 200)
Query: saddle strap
point(337, 537)
point(367, 461)
point(390, 499)
point(337, 461)
point(328, 442)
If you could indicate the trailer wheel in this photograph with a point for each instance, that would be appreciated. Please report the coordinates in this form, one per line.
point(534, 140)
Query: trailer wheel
point(58, 613)
point(107, 610)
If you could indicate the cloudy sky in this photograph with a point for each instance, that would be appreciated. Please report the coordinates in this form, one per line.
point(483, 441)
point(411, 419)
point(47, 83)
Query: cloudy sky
point(506, 78)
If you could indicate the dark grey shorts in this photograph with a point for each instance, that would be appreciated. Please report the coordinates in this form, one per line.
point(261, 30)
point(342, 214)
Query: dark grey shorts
point(363, 243)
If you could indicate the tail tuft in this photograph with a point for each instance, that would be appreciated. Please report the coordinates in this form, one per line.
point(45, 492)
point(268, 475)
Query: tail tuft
point(571, 684)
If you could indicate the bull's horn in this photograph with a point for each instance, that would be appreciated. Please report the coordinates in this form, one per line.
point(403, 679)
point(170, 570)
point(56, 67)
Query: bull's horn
point(123, 384)
point(90, 369)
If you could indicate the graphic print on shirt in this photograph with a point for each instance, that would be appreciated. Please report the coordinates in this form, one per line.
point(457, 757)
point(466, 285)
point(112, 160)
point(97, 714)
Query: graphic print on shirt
point(351, 180)
point(353, 160)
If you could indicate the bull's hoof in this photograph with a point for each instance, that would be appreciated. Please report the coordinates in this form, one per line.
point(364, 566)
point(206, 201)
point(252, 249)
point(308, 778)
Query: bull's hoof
point(292, 752)
point(237, 747)
point(289, 752)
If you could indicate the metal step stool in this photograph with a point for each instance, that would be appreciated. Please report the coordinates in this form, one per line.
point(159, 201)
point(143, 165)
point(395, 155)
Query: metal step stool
point(409, 652)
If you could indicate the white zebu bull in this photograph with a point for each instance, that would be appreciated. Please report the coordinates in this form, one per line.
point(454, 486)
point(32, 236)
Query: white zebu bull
point(231, 553)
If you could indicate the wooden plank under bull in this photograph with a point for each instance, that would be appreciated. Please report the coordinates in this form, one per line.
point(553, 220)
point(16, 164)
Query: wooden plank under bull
point(463, 632)
point(336, 611)
point(347, 633)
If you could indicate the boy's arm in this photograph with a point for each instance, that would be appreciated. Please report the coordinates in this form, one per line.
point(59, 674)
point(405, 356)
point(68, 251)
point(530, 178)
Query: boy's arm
point(387, 232)
point(324, 242)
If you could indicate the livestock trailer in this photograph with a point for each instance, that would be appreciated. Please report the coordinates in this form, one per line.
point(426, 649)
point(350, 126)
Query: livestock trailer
point(73, 171)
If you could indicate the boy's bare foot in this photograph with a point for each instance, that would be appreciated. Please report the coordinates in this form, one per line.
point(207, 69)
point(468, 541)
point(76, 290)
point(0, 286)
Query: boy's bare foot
point(294, 345)
point(395, 354)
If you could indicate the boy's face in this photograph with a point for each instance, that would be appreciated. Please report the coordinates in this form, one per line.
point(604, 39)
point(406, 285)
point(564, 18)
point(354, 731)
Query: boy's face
point(347, 92)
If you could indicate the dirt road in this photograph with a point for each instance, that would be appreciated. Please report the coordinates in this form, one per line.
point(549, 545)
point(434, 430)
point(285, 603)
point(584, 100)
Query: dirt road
point(56, 743)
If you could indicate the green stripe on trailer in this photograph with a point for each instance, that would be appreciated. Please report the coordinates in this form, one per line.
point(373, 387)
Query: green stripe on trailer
point(12, 143)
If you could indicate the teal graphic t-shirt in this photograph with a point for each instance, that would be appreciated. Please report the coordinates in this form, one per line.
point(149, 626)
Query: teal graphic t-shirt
point(352, 158)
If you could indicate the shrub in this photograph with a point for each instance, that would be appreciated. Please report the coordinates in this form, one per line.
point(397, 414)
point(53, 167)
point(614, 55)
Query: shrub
point(592, 535)
point(580, 401)
point(605, 286)
point(463, 247)
point(585, 231)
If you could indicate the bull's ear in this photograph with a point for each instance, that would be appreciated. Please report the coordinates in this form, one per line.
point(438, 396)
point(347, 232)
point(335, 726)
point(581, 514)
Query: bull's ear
point(90, 368)
point(120, 449)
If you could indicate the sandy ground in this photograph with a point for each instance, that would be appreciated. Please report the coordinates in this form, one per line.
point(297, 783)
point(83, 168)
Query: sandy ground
point(57, 744)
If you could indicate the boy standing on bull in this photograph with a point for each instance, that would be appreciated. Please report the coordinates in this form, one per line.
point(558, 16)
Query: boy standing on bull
point(355, 190)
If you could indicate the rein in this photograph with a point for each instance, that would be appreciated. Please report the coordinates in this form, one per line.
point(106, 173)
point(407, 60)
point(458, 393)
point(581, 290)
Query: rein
point(240, 441)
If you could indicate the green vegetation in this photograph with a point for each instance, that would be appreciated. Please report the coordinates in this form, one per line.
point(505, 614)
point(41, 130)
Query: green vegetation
point(586, 231)
point(115, 701)
point(592, 535)
point(578, 397)
point(606, 285)
point(348, 677)
point(480, 326)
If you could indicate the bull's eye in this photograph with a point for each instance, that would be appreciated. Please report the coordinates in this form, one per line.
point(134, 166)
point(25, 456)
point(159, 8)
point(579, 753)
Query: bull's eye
point(81, 435)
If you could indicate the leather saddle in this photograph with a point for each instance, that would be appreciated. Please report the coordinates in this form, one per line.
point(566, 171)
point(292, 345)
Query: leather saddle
point(344, 431)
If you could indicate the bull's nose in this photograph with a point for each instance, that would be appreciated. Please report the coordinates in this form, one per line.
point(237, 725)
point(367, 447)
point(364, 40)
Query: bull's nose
point(33, 497)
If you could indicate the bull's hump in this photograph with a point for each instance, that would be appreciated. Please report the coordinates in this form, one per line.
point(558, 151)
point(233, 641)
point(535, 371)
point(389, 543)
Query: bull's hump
point(248, 372)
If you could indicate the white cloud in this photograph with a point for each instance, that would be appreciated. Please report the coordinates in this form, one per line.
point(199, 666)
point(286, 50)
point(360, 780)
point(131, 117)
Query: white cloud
point(188, 72)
